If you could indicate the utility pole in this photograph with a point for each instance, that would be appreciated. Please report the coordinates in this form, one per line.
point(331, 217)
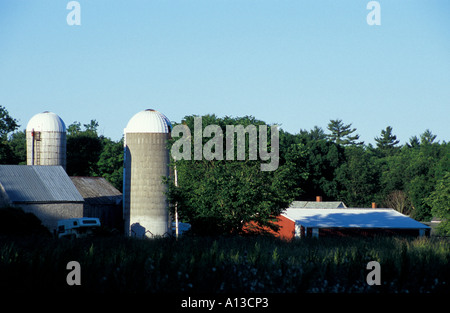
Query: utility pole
point(176, 203)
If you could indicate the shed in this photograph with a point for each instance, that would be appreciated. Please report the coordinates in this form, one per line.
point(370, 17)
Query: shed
point(349, 222)
point(101, 200)
point(45, 191)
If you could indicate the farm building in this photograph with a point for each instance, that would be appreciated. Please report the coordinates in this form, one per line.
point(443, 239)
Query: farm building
point(283, 222)
point(318, 204)
point(46, 191)
point(101, 199)
point(296, 222)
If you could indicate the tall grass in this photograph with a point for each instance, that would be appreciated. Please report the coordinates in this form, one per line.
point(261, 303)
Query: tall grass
point(225, 264)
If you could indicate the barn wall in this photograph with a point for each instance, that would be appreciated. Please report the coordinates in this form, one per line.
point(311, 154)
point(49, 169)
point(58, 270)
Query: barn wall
point(286, 230)
point(110, 215)
point(50, 213)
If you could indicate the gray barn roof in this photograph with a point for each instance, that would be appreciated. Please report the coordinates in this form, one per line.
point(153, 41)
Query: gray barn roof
point(97, 190)
point(38, 184)
point(317, 205)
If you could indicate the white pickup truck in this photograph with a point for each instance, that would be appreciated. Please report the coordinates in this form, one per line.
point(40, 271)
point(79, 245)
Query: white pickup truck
point(77, 227)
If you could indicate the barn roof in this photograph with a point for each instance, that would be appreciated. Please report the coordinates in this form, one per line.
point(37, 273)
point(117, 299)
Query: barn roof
point(97, 190)
point(38, 184)
point(352, 218)
point(317, 205)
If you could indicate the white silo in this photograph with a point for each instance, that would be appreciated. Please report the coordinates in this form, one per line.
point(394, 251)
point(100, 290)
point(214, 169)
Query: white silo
point(146, 162)
point(46, 140)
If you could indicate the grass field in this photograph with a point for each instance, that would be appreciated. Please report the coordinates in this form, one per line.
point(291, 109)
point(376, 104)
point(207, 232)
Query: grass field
point(225, 264)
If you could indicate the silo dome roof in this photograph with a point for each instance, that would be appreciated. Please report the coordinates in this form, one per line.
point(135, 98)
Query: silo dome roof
point(149, 121)
point(46, 121)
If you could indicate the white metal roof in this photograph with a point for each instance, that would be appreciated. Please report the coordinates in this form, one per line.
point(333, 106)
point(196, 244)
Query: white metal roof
point(148, 121)
point(351, 218)
point(46, 121)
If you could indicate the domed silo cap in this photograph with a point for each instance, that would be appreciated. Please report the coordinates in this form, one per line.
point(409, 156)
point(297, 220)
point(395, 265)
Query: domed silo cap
point(46, 121)
point(149, 121)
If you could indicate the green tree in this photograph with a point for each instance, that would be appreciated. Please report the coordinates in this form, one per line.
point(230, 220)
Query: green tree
point(321, 161)
point(222, 196)
point(7, 125)
point(110, 162)
point(439, 201)
point(18, 145)
point(83, 149)
point(387, 142)
point(358, 177)
point(341, 134)
point(413, 142)
point(427, 137)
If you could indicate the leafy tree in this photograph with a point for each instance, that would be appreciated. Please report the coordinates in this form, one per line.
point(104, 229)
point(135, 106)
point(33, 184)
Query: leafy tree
point(222, 196)
point(321, 161)
point(83, 149)
point(439, 201)
point(342, 134)
point(7, 125)
point(18, 145)
point(110, 162)
point(358, 178)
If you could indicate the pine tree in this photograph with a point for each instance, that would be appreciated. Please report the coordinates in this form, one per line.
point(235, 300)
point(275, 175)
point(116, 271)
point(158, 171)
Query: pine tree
point(341, 134)
point(387, 141)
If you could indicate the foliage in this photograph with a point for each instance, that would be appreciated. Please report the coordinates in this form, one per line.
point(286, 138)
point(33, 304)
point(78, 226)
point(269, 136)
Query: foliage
point(387, 142)
point(335, 165)
point(342, 134)
point(225, 264)
point(221, 196)
point(14, 221)
point(7, 125)
point(110, 162)
point(357, 177)
point(440, 203)
point(83, 149)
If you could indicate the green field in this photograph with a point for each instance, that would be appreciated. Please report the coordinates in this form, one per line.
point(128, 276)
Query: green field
point(225, 264)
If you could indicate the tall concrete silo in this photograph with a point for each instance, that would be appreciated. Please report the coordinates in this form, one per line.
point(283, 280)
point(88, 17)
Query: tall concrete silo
point(46, 140)
point(146, 162)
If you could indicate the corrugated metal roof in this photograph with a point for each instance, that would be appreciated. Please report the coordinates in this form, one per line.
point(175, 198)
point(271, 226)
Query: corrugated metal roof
point(317, 205)
point(97, 190)
point(352, 218)
point(38, 183)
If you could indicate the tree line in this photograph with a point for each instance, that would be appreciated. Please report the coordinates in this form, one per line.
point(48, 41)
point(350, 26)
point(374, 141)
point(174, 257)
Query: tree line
point(223, 196)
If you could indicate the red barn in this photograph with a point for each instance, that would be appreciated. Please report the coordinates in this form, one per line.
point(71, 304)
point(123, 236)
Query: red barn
point(349, 222)
point(295, 222)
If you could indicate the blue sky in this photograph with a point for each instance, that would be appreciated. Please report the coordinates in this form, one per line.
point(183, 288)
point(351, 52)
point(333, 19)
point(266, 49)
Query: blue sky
point(290, 62)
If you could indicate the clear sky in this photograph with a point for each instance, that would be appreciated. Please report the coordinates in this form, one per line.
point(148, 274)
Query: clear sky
point(295, 63)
